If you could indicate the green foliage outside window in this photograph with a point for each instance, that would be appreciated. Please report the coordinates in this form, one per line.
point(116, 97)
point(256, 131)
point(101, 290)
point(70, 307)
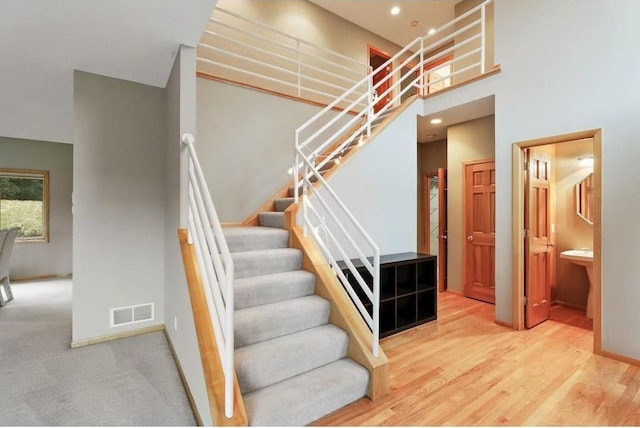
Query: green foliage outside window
point(22, 203)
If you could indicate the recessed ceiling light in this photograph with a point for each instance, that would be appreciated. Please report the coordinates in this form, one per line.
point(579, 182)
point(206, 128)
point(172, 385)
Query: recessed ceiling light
point(395, 10)
point(432, 31)
point(436, 121)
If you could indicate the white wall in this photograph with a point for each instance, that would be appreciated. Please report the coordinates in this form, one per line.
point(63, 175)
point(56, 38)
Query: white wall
point(119, 201)
point(53, 257)
point(557, 60)
point(245, 141)
point(181, 103)
point(378, 185)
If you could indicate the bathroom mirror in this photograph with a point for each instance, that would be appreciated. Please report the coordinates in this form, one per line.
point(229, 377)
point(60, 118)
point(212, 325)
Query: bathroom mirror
point(584, 199)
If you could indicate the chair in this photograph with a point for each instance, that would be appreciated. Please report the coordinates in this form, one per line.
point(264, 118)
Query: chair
point(7, 238)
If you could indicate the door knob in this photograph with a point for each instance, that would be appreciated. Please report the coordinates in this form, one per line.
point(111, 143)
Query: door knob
point(443, 237)
point(469, 238)
point(550, 244)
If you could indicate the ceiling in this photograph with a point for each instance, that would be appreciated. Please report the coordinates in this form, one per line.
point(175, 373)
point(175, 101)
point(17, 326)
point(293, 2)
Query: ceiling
point(428, 132)
point(43, 41)
point(376, 16)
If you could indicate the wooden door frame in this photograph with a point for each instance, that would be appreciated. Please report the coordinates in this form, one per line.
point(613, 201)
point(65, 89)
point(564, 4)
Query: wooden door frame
point(518, 226)
point(377, 51)
point(426, 217)
point(464, 219)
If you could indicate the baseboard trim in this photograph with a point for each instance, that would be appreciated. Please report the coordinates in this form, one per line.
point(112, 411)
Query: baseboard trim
point(457, 293)
point(622, 358)
point(503, 324)
point(183, 379)
point(40, 277)
point(569, 305)
point(110, 337)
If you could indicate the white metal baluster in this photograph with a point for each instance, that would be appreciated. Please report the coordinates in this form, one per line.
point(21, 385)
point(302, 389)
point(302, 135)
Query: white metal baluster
point(482, 37)
point(299, 67)
point(376, 302)
point(371, 100)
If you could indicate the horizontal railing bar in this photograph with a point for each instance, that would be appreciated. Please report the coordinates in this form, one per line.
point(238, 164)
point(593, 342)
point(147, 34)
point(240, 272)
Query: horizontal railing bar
point(451, 36)
point(332, 74)
point(361, 255)
point(340, 203)
point(214, 317)
point(250, 73)
point(266, 27)
point(458, 19)
point(251, 60)
point(248, 34)
point(209, 270)
point(290, 59)
point(440, 54)
point(333, 262)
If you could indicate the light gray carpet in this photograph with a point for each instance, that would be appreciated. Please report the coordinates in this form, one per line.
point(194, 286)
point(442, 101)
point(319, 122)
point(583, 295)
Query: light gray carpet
point(126, 382)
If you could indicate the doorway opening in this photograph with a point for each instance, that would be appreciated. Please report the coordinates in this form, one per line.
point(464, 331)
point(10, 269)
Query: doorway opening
point(434, 240)
point(377, 58)
point(557, 231)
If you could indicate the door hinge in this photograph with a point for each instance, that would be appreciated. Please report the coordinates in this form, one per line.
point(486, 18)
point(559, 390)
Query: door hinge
point(524, 300)
point(527, 233)
point(525, 166)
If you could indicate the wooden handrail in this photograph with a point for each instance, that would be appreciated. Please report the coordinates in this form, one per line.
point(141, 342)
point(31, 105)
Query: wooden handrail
point(211, 364)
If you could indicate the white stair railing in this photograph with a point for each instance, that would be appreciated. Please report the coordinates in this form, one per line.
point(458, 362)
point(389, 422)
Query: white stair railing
point(247, 51)
point(215, 265)
point(329, 225)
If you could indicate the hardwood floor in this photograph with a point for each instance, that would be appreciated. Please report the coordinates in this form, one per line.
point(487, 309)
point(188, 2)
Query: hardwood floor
point(466, 370)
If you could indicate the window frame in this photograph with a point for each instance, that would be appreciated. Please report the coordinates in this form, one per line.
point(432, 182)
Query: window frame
point(33, 173)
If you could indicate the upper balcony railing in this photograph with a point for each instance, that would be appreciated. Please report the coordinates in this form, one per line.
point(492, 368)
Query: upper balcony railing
point(248, 52)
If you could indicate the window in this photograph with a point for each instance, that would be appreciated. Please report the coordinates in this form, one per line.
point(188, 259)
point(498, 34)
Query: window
point(24, 203)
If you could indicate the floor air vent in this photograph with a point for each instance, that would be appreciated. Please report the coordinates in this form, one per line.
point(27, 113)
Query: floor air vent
point(131, 314)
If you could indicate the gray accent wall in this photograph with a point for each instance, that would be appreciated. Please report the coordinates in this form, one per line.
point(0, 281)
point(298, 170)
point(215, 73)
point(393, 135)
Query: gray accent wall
point(53, 257)
point(119, 201)
point(181, 104)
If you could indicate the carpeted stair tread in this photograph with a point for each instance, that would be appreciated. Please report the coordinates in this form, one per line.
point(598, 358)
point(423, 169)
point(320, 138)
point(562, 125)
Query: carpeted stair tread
point(269, 362)
point(259, 323)
point(271, 219)
point(276, 287)
point(307, 397)
point(283, 203)
point(264, 262)
point(252, 238)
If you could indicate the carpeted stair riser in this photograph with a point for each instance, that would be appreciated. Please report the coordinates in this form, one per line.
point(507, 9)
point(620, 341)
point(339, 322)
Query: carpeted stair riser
point(271, 219)
point(265, 363)
point(254, 238)
point(265, 289)
point(309, 396)
point(283, 203)
point(258, 323)
point(264, 262)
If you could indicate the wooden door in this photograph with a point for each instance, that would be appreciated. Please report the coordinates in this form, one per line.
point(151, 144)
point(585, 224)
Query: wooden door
point(442, 229)
point(480, 225)
point(376, 59)
point(538, 245)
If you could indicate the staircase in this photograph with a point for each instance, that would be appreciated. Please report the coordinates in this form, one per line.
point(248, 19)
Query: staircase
point(291, 363)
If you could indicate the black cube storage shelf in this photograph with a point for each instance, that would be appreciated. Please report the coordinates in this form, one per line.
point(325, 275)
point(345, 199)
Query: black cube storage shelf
point(408, 292)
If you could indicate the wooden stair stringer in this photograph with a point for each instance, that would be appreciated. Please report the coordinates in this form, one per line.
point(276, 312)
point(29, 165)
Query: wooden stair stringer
point(343, 312)
point(209, 355)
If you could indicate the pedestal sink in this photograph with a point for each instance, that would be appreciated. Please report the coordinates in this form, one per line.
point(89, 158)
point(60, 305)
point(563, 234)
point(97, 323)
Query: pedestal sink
point(583, 258)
